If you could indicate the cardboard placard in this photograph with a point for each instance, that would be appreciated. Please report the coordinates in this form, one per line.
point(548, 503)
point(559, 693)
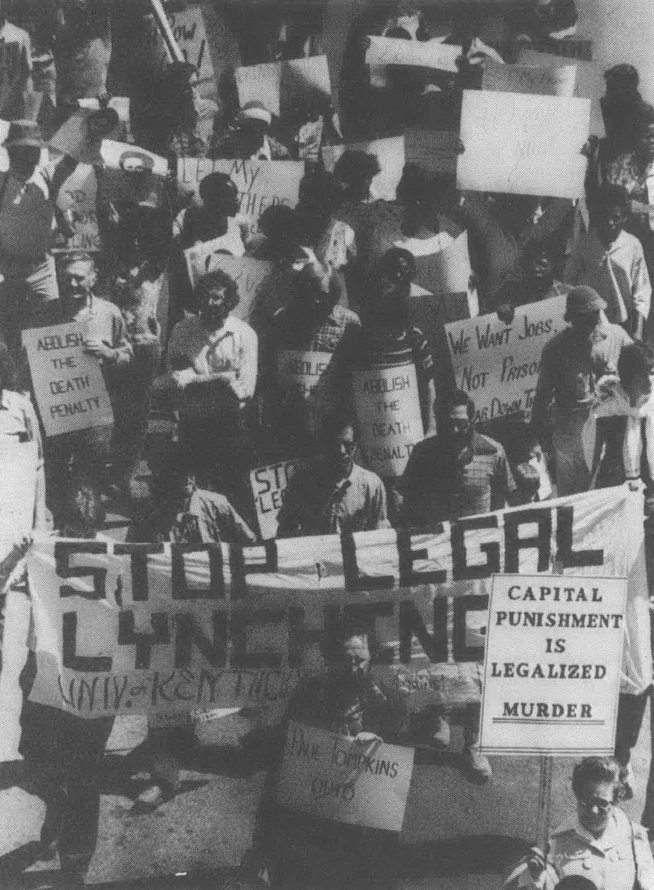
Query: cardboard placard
point(552, 667)
point(73, 137)
point(68, 384)
point(424, 54)
point(78, 195)
point(498, 364)
point(333, 777)
point(513, 147)
point(259, 183)
point(117, 154)
point(268, 487)
point(190, 32)
point(287, 86)
point(303, 376)
point(540, 81)
point(448, 271)
point(387, 405)
point(434, 150)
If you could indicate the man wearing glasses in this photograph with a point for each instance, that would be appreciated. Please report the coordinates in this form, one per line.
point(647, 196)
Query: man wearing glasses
point(333, 494)
point(454, 474)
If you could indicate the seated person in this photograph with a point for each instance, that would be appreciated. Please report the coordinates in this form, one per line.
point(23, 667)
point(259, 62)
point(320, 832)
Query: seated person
point(344, 699)
point(333, 494)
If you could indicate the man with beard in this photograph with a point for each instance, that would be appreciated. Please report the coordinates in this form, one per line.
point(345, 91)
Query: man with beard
point(571, 363)
point(454, 474)
point(289, 846)
point(333, 494)
point(212, 373)
point(311, 349)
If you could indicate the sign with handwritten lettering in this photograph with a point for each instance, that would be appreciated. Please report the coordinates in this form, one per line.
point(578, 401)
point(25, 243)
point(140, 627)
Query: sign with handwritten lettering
point(337, 778)
point(589, 85)
point(259, 183)
point(77, 198)
point(498, 363)
point(68, 384)
point(247, 272)
point(387, 405)
point(190, 31)
point(284, 87)
point(552, 665)
point(424, 54)
point(434, 150)
point(268, 487)
point(391, 157)
point(520, 144)
point(542, 81)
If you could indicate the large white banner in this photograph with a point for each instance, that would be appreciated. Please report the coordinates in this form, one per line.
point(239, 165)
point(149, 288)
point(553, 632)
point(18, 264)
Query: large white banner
point(498, 363)
point(334, 777)
point(552, 671)
point(154, 628)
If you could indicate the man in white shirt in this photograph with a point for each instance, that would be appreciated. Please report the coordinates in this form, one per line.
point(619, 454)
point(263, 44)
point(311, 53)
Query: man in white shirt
point(16, 65)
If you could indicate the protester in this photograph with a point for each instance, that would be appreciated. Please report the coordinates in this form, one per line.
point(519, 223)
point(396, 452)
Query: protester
point(313, 328)
point(545, 20)
point(534, 281)
point(249, 137)
point(611, 261)
point(289, 847)
point(622, 107)
point(215, 218)
point(571, 363)
point(598, 842)
point(212, 374)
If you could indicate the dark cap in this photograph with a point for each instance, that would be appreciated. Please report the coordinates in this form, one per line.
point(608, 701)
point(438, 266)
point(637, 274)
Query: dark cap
point(583, 300)
point(26, 133)
point(624, 72)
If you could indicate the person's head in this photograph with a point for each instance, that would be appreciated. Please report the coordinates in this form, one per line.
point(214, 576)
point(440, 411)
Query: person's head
point(644, 134)
point(584, 309)
point(251, 126)
point(392, 285)
point(538, 266)
point(621, 81)
point(8, 374)
point(339, 443)
point(319, 198)
point(575, 882)
point(219, 194)
point(611, 212)
point(596, 785)
point(135, 163)
point(455, 419)
point(417, 190)
point(314, 290)
point(24, 143)
point(527, 480)
point(78, 275)
point(636, 370)
point(281, 226)
point(355, 171)
point(217, 296)
point(347, 653)
point(82, 513)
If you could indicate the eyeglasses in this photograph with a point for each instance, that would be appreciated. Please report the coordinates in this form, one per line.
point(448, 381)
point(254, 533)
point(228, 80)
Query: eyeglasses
point(596, 803)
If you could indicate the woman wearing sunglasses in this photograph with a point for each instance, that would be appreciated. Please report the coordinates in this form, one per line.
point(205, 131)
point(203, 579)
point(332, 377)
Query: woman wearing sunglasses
point(597, 842)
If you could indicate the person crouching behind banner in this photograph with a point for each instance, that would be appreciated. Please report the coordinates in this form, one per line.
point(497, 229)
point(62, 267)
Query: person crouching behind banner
point(454, 474)
point(212, 373)
point(598, 842)
point(288, 846)
point(332, 494)
point(63, 752)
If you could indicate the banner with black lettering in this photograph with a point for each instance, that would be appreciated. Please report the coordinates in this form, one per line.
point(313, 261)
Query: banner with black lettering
point(160, 628)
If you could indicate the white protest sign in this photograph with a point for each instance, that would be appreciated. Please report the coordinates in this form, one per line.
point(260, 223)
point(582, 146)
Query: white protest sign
point(17, 489)
point(333, 777)
point(513, 146)
point(247, 272)
point(303, 376)
point(77, 197)
point(387, 405)
point(268, 487)
point(590, 82)
point(260, 83)
point(559, 81)
point(120, 156)
point(190, 32)
point(390, 154)
point(434, 150)
point(424, 54)
point(68, 384)
point(552, 666)
point(498, 363)
point(287, 86)
point(260, 183)
point(447, 271)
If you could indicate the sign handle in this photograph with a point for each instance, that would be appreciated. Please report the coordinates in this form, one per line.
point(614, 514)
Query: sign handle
point(163, 24)
point(544, 803)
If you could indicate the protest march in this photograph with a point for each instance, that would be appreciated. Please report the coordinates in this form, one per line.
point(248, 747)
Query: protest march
point(327, 437)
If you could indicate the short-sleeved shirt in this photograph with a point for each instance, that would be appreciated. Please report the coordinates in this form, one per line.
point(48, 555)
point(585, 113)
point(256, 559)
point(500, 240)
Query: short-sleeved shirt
point(436, 489)
point(314, 505)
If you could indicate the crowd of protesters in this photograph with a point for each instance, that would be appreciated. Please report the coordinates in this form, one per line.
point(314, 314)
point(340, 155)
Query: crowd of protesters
point(202, 392)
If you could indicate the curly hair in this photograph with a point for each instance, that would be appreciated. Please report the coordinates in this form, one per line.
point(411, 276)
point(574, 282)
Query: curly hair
point(216, 280)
